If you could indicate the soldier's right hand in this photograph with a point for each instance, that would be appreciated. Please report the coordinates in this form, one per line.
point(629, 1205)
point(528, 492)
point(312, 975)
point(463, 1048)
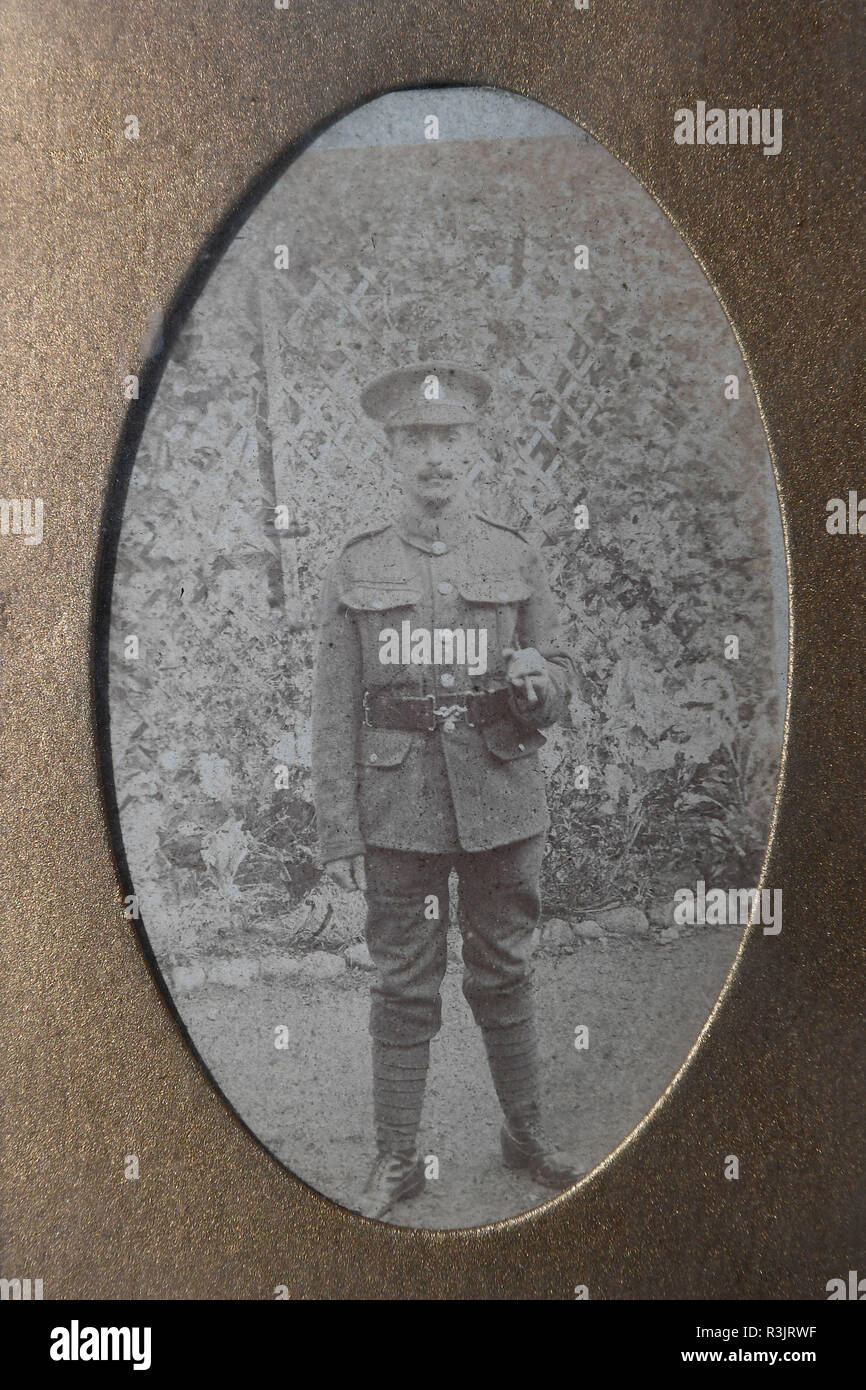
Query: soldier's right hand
point(348, 873)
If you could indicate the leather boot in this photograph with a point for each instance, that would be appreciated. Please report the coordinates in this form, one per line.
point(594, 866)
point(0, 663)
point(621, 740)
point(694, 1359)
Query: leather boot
point(525, 1147)
point(393, 1178)
point(399, 1080)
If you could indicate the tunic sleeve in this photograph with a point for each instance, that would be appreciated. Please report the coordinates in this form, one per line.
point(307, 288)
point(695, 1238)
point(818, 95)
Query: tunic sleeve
point(538, 627)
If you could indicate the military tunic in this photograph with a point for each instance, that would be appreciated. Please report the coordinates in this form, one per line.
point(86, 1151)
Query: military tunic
point(454, 787)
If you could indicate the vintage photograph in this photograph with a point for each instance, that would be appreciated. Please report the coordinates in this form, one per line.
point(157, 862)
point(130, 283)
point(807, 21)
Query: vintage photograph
point(447, 660)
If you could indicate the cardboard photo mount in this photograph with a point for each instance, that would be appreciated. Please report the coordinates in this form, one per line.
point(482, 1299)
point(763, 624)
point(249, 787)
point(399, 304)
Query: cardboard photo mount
point(113, 237)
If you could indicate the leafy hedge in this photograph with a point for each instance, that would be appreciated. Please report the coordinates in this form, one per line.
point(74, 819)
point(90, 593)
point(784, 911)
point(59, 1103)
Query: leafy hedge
point(608, 392)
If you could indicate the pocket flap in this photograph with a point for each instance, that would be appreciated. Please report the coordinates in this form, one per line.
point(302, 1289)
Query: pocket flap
point(505, 588)
point(506, 741)
point(383, 747)
point(375, 596)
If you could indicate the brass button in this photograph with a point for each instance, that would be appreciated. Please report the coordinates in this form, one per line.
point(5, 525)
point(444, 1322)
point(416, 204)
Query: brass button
point(446, 678)
point(438, 547)
point(522, 747)
point(374, 757)
point(445, 587)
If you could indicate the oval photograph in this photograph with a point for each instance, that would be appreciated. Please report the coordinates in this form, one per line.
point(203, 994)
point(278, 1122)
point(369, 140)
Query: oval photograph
point(446, 657)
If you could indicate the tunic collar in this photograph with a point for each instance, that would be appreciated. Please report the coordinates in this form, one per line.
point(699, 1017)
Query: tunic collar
point(436, 535)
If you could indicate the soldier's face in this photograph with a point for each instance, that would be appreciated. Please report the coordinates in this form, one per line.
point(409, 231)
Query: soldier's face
point(432, 460)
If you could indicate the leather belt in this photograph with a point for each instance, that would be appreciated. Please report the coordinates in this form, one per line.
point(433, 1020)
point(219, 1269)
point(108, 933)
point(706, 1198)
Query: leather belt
point(383, 709)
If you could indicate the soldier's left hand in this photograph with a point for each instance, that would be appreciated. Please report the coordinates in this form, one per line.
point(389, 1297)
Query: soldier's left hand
point(527, 670)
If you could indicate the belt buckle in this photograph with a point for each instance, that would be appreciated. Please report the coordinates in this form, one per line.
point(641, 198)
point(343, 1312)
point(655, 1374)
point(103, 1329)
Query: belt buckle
point(365, 705)
point(447, 714)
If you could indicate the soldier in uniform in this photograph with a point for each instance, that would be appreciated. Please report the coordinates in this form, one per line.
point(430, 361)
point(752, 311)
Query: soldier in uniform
point(437, 669)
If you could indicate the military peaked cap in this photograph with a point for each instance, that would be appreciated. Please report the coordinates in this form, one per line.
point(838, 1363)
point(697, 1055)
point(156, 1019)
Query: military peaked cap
point(427, 393)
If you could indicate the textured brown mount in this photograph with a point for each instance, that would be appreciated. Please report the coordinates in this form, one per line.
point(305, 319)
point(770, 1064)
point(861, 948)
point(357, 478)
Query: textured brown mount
point(104, 230)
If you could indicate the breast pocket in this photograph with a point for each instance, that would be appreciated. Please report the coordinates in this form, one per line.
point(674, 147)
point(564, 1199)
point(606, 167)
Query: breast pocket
point(493, 602)
point(379, 608)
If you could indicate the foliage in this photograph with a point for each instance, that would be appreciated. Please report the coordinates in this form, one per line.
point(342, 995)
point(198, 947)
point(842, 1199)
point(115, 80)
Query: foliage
point(608, 394)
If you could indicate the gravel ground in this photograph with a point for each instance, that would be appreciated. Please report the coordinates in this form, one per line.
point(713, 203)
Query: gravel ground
point(644, 1004)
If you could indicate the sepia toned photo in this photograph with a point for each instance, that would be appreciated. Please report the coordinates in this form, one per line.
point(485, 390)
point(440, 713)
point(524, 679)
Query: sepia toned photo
point(447, 659)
